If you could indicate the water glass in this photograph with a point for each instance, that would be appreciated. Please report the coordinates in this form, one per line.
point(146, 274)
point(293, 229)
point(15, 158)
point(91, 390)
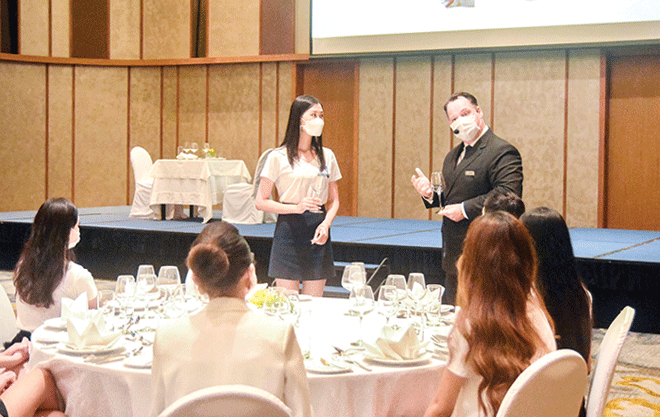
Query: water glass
point(388, 301)
point(145, 269)
point(276, 303)
point(168, 278)
point(362, 302)
point(125, 295)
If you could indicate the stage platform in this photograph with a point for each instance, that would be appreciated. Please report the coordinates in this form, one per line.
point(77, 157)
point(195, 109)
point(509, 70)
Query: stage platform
point(620, 267)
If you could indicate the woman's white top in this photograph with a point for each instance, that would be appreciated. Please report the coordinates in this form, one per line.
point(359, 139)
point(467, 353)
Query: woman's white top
point(76, 281)
point(295, 183)
point(467, 404)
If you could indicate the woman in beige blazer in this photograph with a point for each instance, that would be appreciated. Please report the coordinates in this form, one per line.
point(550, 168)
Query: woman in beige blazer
point(226, 343)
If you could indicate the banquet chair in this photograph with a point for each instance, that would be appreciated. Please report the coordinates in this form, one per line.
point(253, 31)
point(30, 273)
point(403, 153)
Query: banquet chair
point(8, 327)
point(238, 201)
point(553, 386)
point(228, 401)
point(141, 162)
point(608, 355)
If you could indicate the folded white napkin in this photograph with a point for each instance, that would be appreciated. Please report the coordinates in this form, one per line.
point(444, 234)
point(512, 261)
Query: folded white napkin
point(401, 344)
point(90, 333)
point(74, 308)
point(431, 297)
point(417, 291)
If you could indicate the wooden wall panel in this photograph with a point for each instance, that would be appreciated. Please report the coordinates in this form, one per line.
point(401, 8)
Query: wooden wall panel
point(583, 138)
point(100, 134)
point(60, 28)
point(269, 110)
point(125, 29)
point(23, 136)
point(287, 93)
point(144, 114)
point(234, 111)
point(529, 113)
point(474, 73)
point(166, 29)
point(412, 133)
point(60, 131)
point(192, 104)
point(33, 27)
point(442, 136)
point(234, 27)
point(374, 197)
point(169, 111)
point(90, 28)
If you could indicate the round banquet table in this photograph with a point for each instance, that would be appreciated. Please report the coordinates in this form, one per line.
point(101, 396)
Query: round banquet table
point(114, 389)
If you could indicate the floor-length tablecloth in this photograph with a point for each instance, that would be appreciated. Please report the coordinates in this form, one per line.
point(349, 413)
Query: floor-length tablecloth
point(115, 390)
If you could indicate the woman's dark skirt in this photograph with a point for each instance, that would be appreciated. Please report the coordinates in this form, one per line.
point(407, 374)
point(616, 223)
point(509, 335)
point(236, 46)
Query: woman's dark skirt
point(293, 256)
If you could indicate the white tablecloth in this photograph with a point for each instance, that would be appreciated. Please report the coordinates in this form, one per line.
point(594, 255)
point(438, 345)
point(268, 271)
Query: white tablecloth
point(115, 390)
point(199, 182)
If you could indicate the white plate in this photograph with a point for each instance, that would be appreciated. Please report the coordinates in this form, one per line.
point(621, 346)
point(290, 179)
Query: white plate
point(422, 360)
point(138, 362)
point(57, 323)
point(316, 367)
point(113, 348)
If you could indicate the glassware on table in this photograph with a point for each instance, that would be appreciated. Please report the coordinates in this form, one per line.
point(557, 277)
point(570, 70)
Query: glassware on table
point(186, 149)
point(362, 302)
point(416, 292)
point(399, 281)
point(353, 275)
point(125, 295)
point(206, 149)
point(168, 278)
point(175, 305)
point(292, 314)
point(388, 301)
point(105, 303)
point(145, 290)
point(433, 308)
point(145, 269)
point(276, 303)
point(193, 149)
point(179, 152)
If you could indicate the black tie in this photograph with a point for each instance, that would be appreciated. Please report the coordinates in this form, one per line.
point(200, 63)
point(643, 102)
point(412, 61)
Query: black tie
point(468, 149)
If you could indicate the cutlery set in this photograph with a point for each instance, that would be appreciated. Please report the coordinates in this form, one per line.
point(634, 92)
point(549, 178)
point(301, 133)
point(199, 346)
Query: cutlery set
point(103, 359)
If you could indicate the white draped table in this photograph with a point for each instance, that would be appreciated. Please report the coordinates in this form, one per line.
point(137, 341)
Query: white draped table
point(200, 182)
point(113, 389)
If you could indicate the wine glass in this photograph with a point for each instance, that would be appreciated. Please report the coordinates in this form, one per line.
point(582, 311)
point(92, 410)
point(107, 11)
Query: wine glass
point(276, 303)
point(436, 181)
point(194, 148)
point(206, 148)
point(186, 148)
point(175, 306)
point(168, 278)
point(351, 276)
point(124, 294)
point(145, 269)
point(417, 292)
point(362, 302)
point(399, 282)
point(105, 303)
point(179, 152)
point(316, 189)
point(292, 314)
point(145, 289)
point(434, 304)
point(388, 301)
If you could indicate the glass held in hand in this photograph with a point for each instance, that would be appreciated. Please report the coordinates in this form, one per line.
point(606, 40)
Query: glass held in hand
point(315, 189)
point(362, 302)
point(388, 301)
point(437, 182)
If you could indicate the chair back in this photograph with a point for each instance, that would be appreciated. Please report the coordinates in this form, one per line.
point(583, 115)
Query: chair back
point(608, 355)
point(553, 386)
point(141, 162)
point(257, 172)
point(228, 401)
point(8, 327)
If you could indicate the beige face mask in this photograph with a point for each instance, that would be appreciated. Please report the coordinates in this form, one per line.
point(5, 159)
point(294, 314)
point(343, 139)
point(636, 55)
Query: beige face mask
point(314, 127)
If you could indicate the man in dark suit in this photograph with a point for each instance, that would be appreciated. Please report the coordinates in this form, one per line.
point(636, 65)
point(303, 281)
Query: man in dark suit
point(480, 165)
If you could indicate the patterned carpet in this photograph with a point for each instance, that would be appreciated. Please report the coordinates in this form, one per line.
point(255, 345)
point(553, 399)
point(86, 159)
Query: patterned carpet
point(635, 389)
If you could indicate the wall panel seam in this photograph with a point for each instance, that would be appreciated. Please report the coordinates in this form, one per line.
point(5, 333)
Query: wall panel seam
point(73, 134)
point(162, 105)
point(393, 179)
point(128, 137)
point(565, 156)
point(492, 90)
point(47, 134)
point(431, 125)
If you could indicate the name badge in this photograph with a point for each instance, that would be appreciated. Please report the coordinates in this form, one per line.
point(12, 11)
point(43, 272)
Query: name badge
point(469, 173)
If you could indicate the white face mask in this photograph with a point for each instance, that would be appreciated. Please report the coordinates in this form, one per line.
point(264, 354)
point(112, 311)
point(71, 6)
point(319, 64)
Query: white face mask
point(314, 127)
point(74, 237)
point(465, 128)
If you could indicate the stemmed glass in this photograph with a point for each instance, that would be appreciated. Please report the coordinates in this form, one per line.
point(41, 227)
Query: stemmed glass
point(168, 279)
point(417, 292)
point(105, 303)
point(315, 189)
point(206, 149)
point(388, 301)
point(125, 294)
point(144, 289)
point(292, 314)
point(436, 181)
point(194, 148)
point(361, 301)
point(186, 148)
point(145, 269)
point(277, 303)
point(399, 282)
point(433, 308)
point(352, 276)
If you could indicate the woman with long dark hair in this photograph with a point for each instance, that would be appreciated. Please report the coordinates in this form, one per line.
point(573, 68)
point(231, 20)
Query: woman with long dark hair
point(46, 271)
point(226, 343)
point(502, 326)
point(565, 295)
point(305, 175)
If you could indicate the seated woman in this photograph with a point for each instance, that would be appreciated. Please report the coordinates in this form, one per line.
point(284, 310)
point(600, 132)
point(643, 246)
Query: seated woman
point(46, 271)
point(226, 342)
point(565, 295)
point(502, 326)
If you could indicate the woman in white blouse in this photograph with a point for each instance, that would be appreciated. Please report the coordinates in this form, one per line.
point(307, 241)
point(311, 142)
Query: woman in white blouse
point(305, 175)
point(503, 325)
point(226, 343)
point(46, 271)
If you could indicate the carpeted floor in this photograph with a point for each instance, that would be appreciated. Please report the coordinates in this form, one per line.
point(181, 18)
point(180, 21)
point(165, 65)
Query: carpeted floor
point(635, 389)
